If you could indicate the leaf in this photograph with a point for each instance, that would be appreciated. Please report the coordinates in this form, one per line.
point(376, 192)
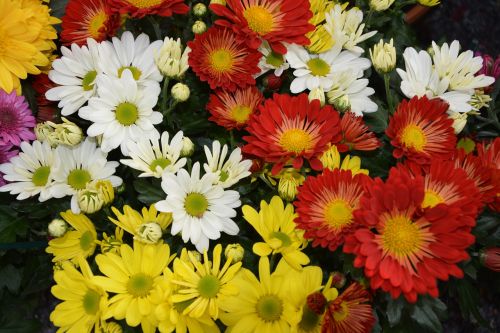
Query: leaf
point(468, 300)
point(425, 316)
point(20, 326)
point(395, 310)
point(377, 121)
point(10, 278)
point(148, 192)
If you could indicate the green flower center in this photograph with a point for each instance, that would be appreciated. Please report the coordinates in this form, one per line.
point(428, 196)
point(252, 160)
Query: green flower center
point(41, 176)
point(91, 302)
point(140, 284)
point(86, 241)
point(224, 175)
point(310, 320)
point(269, 307)
point(284, 238)
point(126, 113)
point(208, 286)
point(274, 59)
point(78, 179)
point(318, 67)
point(88, 80)
point(136, 72)
point(161, 162)
point(196, 204)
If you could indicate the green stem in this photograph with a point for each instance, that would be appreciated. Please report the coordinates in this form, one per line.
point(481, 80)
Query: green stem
point(164, 96)
point(388, 93)
point(156, 26)
point(231, 139)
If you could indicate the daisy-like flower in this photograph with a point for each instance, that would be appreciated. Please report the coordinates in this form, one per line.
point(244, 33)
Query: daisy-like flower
point(16, 120)
point(229, 171)
point(325, 206)
point(218, 58)
point(274, 223)
point(233, 109)
point(271, 60)
point(201, 210)
point(356, 135)
point(6, 153)
point(290, 129)
point(30, 173)
point(47, 110)
point(332, 160)
point(122, 112)
point(402, 248)
point(421, 130)
point(88, 19)
point(77, 166)
point(75, 73)
point(154, 157)
point(257, 20)
point(141, 8)
point(317, 70)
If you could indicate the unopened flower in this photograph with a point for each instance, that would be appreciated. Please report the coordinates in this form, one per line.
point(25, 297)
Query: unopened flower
point(111, 327)
point(45, 132)
point(112, 243)
point(319, 94)
point(199, 27)
point(187, 147)
point(459, 120)
point(342, 103)
point(199, 9)
point(480, 99)
point(218, 2)
point(490, 258)
point(171, 60)
point(235, 252)
point(106, 189)
point(380, 5)
point(149, 233)
point(383, 56)
point(180, 92)
point(288, 185)
point(67, 133)
point(89, 200)
point(57, 228)
point(429, 3)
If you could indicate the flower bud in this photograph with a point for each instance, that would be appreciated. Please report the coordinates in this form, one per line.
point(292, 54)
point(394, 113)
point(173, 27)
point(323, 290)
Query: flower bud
point(171, 61)
point(380, 5)
point(187, 147)
point(288, 186)
point(317, 302)
point(428, 3)
point(383, 56)
point(273, 82)
point(342, 103)
point(68, 133)
point(106, 189)
point(199, 9)
point(149, 233)
point(112, 243)
point(459, 120)
point(180, 92)
point(490, 258)
point(57, 228)
point(479, 100)
point(45, 132)
point(319, 94)
point(199, 27)
point(338, 280)
point(89, 200)
point(234, 251)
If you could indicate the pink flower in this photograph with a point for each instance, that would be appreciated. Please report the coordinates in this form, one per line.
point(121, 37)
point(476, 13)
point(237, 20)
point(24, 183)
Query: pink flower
point(5, 155)
point(16, 120)
point(490, 68)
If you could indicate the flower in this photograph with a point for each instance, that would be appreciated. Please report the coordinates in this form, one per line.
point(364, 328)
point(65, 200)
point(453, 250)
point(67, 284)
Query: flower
point(155, 157)
point(122, 112)
point(383, 56)
point(171, 60)
point(271, 60)
point(31, 172)
point(234, 252)
point(381, 5)
point(356, 135)
point(257, 20)
point(187, 147)
point(200, 210)
point(66, 133)
point(57, 228)
point(141, 8)
point(331, 160)
point(490, 258)
point(233, 109)
point(227, 172)
point(489, 156)
point(290, 129)
point(490, 68)
point(421, 130)
point(274, 223)
point(199, 9)
point(180, 92)
point(319, 94)
point(88, 19)
point(47, 110)
point(429, 3)
point(325, 206)
point(199, 27)
point(218, 58)
point(321, 40)
point(5, 155)
point(289, 182)
point(16, 120)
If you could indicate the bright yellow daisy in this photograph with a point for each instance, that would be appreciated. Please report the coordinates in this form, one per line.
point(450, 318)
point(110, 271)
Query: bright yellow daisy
point(332, 160)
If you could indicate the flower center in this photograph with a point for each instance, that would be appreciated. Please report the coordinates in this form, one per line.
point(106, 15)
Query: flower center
point(338, 213)
point(78, 179)
point(259, 19)
point(318, 67)
point(431, 199)
point(126, 113)
point(88, 80)
point(41, 176)
point(136, 72)
point(413, 137)
point(86, 241)
point(140, 284)
point(145, 3)
point(91, 302)
point(96, 23)
point(401, 237)
point(274, 59)
point(341, 312)
point(241, 113)
point(221, 60)
point(269, 307)
point(310, 320)
point(295, 140)
point(284, 238)
point(224, 175)
point(208, 286)
point(195, 204)
point(159, 162)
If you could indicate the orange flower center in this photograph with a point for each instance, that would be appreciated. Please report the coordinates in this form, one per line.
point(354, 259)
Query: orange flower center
point(338, 213)
point(259, 19)
point(296, 140)
point(144, 3)
point(241, 113)
point(401, 236)
point(96, 23)
point(413, 136)
point(221, 60)
point(431, 199)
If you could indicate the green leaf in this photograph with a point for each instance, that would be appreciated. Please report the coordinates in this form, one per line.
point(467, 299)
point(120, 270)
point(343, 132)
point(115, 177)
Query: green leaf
point(377, 121)
point(424, 315)
point(10, 278)
point(395, 309)
point(149, 193)
point(468, 300)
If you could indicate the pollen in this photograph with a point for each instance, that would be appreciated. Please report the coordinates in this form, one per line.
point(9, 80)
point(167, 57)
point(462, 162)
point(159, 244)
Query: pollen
point(296, 140)
point(259, 19)
point(414, 137)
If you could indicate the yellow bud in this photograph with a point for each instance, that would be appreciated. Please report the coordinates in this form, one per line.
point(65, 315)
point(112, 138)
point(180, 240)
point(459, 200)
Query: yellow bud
point(479, 100)
point(111, 327)
point(288, 185)
point(429, 3)
point(149, 233)
point(112, 243)
point(199, 9)
point(180, 92)
point(199, 27)
point(383, 56)
point(235, 252)
point(380, 5)
point(195, 255)
point(319, 94)
point(57, 228)
point(106, 189)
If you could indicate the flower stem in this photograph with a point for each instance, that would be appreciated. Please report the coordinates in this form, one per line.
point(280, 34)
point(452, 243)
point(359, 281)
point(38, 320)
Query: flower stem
point(388, 93)
point(156, 26)
point(164, 96)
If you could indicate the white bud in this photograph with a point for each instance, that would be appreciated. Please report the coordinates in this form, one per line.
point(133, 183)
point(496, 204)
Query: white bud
point(380, 5)
point(187, 147)
point(171, 61)
point(383, 56)
point(180, 92)
point(57, 228)
point(199, 9)
point(319, 94)
point(149, 233)
point(459, 120)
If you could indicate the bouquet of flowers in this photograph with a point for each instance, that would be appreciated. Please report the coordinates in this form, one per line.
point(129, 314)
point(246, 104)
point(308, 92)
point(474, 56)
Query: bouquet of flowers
point(242, 166)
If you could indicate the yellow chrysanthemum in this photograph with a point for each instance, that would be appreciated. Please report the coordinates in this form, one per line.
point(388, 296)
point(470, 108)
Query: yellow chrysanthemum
point(289, 181)
point(80, 242)
point(274, 223)
point(321, 40)
point(111, 243)
point(331, 160)
point(84, 303)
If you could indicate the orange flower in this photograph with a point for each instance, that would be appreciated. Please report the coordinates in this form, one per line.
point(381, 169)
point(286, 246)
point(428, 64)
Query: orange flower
point(355, 134)
point(490, 158)
point(141, 8)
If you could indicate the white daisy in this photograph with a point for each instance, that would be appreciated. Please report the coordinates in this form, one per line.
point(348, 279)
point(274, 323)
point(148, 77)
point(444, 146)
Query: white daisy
point(271, 60)
point(228, 172)
point(79, 165)
point(200, 210)
point(75, 73)
point(154, 159)
point(317, 70)
point(122, 112)
point(30, 173)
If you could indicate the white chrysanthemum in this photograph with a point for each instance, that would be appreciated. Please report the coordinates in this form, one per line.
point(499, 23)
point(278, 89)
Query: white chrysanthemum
point(271, 60)
point(30, 173)
point(75, 73)
point(122, 112)
point(229, 171)
point(346, 27)
point(459, 68)
point(317, 70)
point(154, 159)
point(170, 59)
point(79, 165)
point(200, 210)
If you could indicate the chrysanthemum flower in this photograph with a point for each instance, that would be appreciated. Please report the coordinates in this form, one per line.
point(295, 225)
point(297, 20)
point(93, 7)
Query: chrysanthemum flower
point(404, 249)
point(421, 130)
point(233, 109)
point(290, 129)
point(274, 223)
point(321, 40)
point(16, 120)
point(88, 19)
point(141, 8)
point(356, 135)
point(325, 206)
point(271, 60)
point(490, 157)
point(257, 20)
point(46, 110)
point(331, 159)
point(6, 153)
point(220, 59)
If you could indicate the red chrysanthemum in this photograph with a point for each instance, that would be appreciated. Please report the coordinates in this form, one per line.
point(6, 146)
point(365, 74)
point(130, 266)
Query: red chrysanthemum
point(351, 312)
point(421, 130)
point(325, 205)
point(218, 58)
point(46, 110)
point(290, 129)
point(405, 249)
point(356, 135)
point(141, 8)
point(88, 19)
point(276, 21)
point(232, 110)
point(490, 158)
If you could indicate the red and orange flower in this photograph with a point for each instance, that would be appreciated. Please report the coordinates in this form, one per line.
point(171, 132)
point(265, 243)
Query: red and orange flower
point(47, 110)
point(421, 130)
point(141, 8)
point(220, 59)
point(325, 206)
point(88, 19)
point(290, 130)
point(356, 135)
point(490, 157)
point(276, 21)
point(232, 110)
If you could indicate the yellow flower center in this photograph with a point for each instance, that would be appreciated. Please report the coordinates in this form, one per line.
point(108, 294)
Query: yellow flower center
point(91, 302)
point(296, 140)
point(208, 286)
point(318, 67)
point(144, 3)
point(224, 175)
point(338, 213)
point(274, 59)
point(96, 23)
point(126, 113)
point(41, 176)
point(140, 284)
point(284, 238)
point(269, 307)
point(431, 199)
point(221, 61)
point(136, 72)
point(413, 136)
point(86, 241)
point(78, 179)
point(241, 113)
point(195, 204)
point(259, 19)
point(401, 237)
point(88, 80)
point(161, 162)
point(342, 312)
